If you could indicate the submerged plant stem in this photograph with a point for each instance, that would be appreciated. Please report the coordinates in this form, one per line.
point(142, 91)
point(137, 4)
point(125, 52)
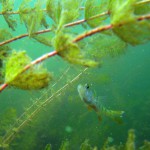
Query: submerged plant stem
point(3, 86)
point(104, 28)
point(22, 36)
point(91, 32)
point(38, 60)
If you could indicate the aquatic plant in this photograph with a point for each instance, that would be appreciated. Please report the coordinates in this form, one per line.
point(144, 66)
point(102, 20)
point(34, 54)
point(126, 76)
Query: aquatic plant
point(129, 145)
point(108, 27)
point(86, 146)
point(35, 78)
point(126, 17)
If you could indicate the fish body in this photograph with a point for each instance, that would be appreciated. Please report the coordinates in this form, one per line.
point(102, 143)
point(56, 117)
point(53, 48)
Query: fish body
point(87, 95)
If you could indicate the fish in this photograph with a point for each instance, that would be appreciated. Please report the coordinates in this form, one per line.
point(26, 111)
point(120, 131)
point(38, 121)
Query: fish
point(93, 102)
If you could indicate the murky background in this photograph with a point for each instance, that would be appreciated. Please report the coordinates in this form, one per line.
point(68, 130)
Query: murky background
point(122, 82)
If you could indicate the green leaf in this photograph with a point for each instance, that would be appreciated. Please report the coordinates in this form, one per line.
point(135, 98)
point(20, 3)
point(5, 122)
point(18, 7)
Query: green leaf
point(111, 45)
point(29, 16)
point(70, 11)
point(102, 45)
point(4, 51)
point(125, 22)
point(93, 8)
point(4, 35)
point(142, 9)
point(63, 12)
point(7, 7)
point(35, 78)
point(42, 39)
point(137, 33)
point(121, 11)
point(54, 8)
point(70, 51)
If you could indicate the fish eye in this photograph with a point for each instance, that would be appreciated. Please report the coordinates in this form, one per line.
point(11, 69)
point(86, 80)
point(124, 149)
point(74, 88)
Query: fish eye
point(86, 86)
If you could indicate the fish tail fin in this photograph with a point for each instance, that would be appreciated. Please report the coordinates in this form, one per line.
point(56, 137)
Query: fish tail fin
point(117, 116)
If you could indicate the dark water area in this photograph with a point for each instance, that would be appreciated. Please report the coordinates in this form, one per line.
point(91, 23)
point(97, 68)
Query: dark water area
point(121, 83)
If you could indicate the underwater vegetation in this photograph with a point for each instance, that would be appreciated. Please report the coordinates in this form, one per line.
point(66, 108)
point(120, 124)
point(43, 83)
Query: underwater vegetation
point(129, 145)
point(125, 17)
point(106, 28)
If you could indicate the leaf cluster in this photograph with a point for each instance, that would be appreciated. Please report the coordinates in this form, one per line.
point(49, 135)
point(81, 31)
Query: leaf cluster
point(63, 12)
point(93, 8)
point(134, 32)
point(29, 14)
point(126, 28)
point(102, 45)
point(7, 7)
point(70, 51)
point(35, 78)
point(4, 51)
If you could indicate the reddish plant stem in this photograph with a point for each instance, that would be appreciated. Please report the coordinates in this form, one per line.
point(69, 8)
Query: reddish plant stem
point(49, 30)
point(22, 36)
point(143, 17)
point(91, 32)
point(38, 60)
point(3, 86)
point(106, 27)
point(78, 38)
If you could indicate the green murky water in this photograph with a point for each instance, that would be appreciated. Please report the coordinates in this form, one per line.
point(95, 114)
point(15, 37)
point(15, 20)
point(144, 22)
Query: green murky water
point(123, 83)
